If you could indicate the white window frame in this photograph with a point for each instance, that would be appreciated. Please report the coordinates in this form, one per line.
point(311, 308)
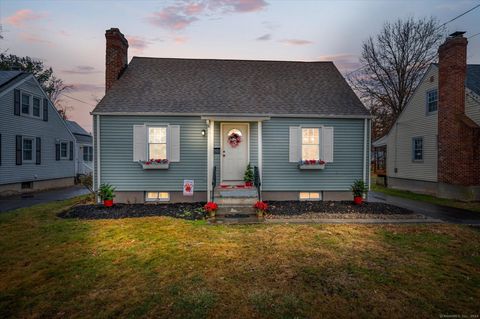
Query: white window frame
point(427, 100)
point(33, 149)
point(30, 105)
point(310, 196)
point(68, 153)
point(414, 150)
point(319, 128)
point(167, 141)
point(158, 199)
point(88, 151)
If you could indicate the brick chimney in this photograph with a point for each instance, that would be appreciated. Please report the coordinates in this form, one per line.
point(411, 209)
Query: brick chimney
point(115, 57)
point(458, 154)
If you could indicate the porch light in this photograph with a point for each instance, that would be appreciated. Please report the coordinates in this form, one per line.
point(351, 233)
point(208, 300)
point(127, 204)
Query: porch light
point(203, 132)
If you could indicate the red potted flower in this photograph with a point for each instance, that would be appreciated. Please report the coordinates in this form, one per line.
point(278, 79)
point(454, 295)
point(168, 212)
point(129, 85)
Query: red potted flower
point(359, 190)
point(107, 193)
point(211, 208)
point(261, 208)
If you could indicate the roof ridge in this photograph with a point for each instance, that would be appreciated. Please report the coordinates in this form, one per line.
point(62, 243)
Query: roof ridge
point(240, 60)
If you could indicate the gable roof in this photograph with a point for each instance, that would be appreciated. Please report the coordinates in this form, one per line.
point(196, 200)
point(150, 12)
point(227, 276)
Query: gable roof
point(473, 78)
point(8, 78)
point(231, 87)
point(75, 128)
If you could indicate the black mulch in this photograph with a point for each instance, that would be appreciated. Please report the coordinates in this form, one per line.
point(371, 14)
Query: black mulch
point(189, 211)
point(330, 207)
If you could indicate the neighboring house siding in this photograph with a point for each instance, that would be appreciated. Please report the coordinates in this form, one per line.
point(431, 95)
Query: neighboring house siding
point(415, 122)
point(49, 131)
point(281, 175)
point(116, 151)
point(472, 106)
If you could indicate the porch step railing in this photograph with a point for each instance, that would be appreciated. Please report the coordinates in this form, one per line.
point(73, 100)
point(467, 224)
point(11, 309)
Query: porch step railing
point(257, 181)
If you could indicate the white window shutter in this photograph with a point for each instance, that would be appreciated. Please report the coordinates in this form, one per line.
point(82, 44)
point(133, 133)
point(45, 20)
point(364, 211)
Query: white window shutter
point(327, 144)
point(139, 143)
point(294, 154)
point(174, 143)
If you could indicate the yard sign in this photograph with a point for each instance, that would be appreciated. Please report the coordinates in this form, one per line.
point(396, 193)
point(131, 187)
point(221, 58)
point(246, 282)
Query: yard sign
point(188, 187)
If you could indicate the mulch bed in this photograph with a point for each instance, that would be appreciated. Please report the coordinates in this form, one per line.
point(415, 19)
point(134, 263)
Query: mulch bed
point(337, 209)
point(189, 211)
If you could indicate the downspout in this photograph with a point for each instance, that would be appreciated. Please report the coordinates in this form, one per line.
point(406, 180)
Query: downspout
point(260, 152)
point(364, 150)
point(98, 154)
point(210, 160)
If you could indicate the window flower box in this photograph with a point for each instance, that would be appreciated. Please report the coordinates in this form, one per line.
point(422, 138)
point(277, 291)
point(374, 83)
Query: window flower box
point(311, 164)
point(155, 164)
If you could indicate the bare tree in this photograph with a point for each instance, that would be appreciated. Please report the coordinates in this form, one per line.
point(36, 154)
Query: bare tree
point(393, 63)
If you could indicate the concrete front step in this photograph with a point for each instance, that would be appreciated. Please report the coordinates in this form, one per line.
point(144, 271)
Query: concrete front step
point(229, 201)
point(243, 210)
point(235, 192)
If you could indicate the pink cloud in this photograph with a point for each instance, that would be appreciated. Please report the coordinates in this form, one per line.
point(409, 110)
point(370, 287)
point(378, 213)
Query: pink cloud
point(32, 38)
point(344, 61)
point(81, 69)
point(138, 43)
point(171, 18)
point(21, 17)
point(296, 41)
point(180, 39)
point(179, 16)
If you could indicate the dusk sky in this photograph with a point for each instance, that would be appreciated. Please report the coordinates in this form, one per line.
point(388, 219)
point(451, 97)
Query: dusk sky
point(69, 35)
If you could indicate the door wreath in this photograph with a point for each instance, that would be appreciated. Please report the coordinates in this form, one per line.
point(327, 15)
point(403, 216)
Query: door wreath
point(234, 139)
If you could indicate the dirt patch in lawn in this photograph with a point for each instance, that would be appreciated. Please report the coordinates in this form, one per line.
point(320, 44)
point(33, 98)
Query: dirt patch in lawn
point(340, 209)
point(189, 211)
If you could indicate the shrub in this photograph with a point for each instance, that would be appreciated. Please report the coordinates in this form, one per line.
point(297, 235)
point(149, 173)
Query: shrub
point(106, 192)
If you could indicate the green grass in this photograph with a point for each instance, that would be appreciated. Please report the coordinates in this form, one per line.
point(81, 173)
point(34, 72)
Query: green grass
point(168, 268)
point(472, 206)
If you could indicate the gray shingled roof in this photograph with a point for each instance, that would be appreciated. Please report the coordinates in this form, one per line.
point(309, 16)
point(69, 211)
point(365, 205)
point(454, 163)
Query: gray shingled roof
point(7, 78)
point(223, 87)
point(75, 128)
point(473, 78)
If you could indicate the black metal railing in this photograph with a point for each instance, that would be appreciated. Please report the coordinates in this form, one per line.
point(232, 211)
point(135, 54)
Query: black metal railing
point(257, 181)
point(214, 182)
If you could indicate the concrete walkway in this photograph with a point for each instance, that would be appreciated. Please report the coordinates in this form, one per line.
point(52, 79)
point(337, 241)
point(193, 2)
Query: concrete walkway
point(446, 214)
point(27, 200)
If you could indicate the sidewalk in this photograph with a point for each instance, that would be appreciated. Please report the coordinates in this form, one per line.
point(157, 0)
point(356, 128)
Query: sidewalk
point(446, 214)
point(15, 202)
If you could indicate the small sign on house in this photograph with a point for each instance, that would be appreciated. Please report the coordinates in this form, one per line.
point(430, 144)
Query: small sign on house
point(188, 187)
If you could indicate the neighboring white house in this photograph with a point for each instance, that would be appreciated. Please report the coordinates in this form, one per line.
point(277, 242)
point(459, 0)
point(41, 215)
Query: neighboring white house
point(36, 147)
point(434, 147)
point(83, 149)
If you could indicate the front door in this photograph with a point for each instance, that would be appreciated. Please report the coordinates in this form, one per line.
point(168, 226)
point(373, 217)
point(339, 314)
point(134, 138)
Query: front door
point(235, 141)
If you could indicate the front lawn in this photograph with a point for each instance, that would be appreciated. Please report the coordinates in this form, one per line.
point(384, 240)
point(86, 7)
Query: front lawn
point(472, 206)
point(172, 268)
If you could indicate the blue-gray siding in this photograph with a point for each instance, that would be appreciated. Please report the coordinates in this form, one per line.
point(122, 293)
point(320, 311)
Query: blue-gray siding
point(281, 175)
point(12, 125)
point(118, 168)
point(116, 151)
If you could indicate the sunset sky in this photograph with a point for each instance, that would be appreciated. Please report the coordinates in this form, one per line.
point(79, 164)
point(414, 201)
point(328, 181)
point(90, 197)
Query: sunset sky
point(69, 35)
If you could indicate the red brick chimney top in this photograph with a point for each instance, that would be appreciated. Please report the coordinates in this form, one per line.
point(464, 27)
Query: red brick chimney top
point(116, 56)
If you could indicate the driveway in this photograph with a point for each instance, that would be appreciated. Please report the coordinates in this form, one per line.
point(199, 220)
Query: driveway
point(27, 200)
point(446, 214)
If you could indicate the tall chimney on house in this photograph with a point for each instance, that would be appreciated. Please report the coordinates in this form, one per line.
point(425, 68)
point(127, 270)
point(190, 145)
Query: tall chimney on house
point(115, 57)
point(458, 158)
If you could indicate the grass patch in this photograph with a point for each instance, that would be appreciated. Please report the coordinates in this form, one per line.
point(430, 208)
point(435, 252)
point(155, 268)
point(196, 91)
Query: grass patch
point(472, 206)
point(165, 267)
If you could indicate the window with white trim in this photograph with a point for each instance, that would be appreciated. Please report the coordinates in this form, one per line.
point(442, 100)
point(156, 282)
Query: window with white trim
point(63, 150)
point(157, 142)
point(157, 196)
point(36, 107)
point(87, 153)
point(432, 101)
point(311, 143)
point(28, 145)
point(417, 149)
point(310, 196)
point(25, 104)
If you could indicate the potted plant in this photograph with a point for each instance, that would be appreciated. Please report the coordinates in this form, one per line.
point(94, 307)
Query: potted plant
point(248, 176)
point(211, 208)
point(107, 193)
point(358, 189)
point(261, 208)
